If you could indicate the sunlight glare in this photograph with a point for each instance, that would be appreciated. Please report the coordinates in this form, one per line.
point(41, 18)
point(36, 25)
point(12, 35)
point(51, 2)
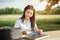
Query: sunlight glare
point(43, 5)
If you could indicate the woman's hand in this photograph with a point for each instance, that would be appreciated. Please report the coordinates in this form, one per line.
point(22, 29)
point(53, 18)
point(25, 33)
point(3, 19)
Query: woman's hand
point(40, 31)
point(24, 32)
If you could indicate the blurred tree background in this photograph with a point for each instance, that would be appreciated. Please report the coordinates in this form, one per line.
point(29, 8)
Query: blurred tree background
point(8, 10)
point(48, 9)
point(50, 4)
point(54, 11)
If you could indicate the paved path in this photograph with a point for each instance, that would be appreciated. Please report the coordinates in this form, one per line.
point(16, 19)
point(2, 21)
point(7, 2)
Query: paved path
point(53, 35)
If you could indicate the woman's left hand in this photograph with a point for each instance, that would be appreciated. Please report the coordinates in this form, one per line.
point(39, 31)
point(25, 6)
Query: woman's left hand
point(40, 31)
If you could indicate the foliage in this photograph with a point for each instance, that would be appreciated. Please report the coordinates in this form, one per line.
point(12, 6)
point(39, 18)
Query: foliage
point(8, 10)
point(52, 11)
point(50, 3)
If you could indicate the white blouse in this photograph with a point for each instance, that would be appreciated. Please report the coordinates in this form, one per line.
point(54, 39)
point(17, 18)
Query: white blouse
point(22, 25)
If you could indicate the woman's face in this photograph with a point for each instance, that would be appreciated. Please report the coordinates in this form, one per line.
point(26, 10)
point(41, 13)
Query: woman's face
point(28, 13)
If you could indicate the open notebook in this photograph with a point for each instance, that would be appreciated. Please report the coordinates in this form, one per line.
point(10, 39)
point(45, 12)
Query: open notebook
point(34, 35)
point(31, 33)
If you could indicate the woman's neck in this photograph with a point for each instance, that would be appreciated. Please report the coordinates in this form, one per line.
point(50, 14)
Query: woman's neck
point(26, 20)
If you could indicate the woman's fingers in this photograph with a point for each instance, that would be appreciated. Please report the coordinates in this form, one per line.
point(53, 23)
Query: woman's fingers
point(40, 31)
point(24, 32)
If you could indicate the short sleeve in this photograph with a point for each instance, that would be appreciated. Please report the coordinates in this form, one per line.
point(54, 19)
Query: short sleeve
point(17, 24)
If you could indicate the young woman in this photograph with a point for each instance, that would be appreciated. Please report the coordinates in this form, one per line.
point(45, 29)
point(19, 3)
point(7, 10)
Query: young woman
point(27, 22)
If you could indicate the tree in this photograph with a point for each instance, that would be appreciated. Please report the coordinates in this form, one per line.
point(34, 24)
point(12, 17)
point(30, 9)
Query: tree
point(8, 10)
point(18, 11)
point(50, 4)
point(2, 11)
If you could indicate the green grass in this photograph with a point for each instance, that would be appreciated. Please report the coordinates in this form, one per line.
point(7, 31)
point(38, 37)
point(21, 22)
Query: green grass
point(45, 22)
point(6, 23)
point(48, 24)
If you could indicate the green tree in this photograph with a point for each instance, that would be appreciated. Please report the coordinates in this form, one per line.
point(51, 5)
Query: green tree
point(2, 11)
point(50, 4)
point(8, 10)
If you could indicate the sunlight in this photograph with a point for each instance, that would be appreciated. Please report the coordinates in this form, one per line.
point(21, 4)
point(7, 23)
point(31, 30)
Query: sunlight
point(39, 5)
point(43, 5)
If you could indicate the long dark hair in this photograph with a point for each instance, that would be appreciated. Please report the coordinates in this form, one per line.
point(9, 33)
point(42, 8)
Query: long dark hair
point(32, 19)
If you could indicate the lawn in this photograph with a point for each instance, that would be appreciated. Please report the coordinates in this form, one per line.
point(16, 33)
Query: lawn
point(46, 22)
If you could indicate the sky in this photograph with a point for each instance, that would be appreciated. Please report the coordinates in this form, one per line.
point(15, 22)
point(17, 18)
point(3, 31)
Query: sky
point(22, 3)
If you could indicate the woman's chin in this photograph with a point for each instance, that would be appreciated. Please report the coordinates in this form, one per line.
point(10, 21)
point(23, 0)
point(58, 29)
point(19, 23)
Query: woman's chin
point(28, 18)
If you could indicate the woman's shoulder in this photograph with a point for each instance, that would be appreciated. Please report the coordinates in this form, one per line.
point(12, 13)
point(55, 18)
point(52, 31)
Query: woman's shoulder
point(19, 20)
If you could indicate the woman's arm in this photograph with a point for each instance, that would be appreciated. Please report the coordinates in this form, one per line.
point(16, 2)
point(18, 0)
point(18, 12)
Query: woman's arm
point(40, 31)
point(17, 24)
point(35, 27)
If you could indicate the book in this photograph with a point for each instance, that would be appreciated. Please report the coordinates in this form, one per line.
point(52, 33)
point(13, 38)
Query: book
point(33, 33)
point(41, 37)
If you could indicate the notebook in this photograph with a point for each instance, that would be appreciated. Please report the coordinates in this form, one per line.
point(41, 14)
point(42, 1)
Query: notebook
point(33, 33)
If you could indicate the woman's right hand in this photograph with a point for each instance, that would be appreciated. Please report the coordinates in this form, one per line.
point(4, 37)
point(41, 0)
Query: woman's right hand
point(24, 32)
